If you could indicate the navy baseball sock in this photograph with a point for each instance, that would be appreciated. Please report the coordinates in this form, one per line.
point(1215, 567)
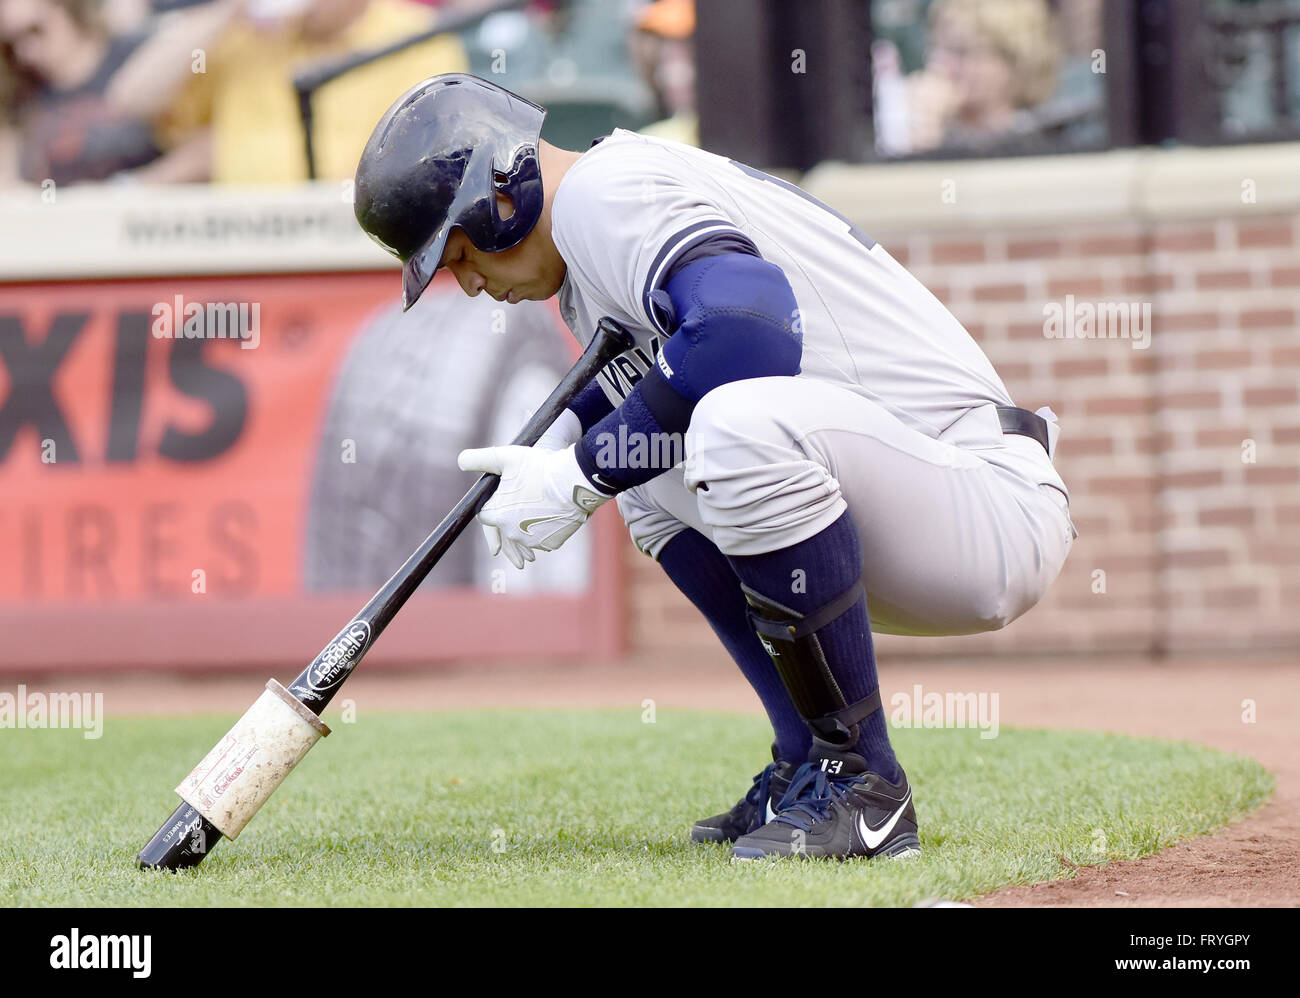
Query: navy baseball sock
point(701, 572)
point(804, 577)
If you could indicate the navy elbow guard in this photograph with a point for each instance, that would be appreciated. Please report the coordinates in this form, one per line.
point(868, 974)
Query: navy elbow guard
point(736, 318)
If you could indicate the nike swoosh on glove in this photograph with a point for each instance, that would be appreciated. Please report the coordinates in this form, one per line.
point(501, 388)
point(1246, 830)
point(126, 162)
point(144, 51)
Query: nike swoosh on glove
point(542, 501)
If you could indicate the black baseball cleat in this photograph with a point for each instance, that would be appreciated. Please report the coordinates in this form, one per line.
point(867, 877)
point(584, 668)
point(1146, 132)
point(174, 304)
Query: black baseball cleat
point(836, 808)
point(751, 811)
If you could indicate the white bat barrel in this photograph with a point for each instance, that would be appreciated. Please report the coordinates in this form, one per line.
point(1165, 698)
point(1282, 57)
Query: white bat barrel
point(254, 757)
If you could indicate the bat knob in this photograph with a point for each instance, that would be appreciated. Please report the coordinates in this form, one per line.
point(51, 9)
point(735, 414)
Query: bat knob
point(181, 841)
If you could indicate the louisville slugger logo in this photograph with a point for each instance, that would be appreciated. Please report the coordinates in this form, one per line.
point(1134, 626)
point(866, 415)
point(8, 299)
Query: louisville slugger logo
point(339, 656)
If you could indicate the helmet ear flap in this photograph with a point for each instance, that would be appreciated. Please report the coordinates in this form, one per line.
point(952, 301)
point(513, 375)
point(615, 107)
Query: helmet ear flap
point(474, 207)
point(506, 177)
point(503, 212)
point(501, 189)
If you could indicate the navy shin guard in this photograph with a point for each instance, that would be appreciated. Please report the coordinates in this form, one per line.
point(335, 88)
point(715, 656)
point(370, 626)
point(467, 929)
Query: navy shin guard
point(791, 641)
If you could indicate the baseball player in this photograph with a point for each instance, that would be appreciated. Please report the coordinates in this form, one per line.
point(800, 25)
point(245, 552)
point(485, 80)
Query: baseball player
point(804, 438)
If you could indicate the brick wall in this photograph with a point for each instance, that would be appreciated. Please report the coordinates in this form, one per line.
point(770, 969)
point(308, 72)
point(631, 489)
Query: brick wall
point(1183, 459)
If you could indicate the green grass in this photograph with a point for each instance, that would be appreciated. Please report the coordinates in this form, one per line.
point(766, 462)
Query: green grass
point(543, 807)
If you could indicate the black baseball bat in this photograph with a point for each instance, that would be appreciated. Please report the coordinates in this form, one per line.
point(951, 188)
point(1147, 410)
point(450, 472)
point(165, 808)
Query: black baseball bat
point(186, 837)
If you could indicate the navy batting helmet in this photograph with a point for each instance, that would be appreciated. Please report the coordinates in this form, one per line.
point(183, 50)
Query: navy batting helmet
point(436, 160)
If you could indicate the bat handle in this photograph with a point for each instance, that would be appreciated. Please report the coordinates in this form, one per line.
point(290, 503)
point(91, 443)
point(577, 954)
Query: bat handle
point(610, 340)
point(181, 841)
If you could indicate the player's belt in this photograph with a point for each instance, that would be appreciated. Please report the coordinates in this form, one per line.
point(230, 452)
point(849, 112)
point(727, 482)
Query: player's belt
point(1025, 423)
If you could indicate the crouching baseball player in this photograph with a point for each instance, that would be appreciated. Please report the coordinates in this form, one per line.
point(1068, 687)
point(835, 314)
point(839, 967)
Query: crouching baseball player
point(850, 462)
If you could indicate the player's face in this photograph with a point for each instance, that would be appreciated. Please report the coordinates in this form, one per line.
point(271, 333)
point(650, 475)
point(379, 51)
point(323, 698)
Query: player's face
point(530, 271)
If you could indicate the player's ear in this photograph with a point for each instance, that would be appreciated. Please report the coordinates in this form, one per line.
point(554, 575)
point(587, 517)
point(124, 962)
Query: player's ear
point(505, 207)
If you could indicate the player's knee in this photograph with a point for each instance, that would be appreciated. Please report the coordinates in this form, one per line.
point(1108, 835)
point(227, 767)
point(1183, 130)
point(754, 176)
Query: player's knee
point(732, 415)
point(748, 469)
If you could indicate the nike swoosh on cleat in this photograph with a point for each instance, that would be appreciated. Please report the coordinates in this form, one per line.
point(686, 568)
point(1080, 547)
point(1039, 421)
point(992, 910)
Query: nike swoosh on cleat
point(873, 839)
point(768, 814)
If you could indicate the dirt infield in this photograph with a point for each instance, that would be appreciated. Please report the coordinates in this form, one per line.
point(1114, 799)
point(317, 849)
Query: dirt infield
point(1254, 862)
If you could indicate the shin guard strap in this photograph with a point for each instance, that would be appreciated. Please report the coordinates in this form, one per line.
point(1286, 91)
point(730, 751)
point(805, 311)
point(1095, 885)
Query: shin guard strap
point(794, 627)
point(856, 713)
point(837, 607)
point(840, 727)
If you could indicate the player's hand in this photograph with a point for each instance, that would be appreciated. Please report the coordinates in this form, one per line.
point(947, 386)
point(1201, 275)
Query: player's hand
point(542, 501)
point(564, 432)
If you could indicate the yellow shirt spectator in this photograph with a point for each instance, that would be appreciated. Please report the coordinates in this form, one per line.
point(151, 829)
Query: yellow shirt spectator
point(247, 93)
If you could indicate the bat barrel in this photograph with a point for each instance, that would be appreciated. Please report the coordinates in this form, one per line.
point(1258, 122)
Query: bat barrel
point(181, 841)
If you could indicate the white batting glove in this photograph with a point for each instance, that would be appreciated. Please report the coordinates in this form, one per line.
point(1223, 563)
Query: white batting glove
point(542, 501)
point(564, 432)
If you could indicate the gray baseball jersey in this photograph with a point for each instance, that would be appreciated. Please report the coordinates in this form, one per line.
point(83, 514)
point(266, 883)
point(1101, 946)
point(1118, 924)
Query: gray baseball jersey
point(632, 204)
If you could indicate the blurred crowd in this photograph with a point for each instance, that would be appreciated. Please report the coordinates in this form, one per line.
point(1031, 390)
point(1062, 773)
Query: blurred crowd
point(185, 91)
point(174, 91)
point(131, 90)
point(987, 76)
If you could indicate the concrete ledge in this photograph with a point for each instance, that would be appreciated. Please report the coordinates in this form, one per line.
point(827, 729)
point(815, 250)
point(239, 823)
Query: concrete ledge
point(1129, 185)
point(112, 231)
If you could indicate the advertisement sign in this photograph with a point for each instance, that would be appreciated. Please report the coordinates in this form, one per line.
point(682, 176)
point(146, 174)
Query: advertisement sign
point(235, 463)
